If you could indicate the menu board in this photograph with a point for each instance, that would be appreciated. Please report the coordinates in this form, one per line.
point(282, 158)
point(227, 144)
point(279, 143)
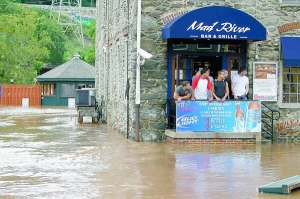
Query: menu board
point(228, 116)
point(265, 81)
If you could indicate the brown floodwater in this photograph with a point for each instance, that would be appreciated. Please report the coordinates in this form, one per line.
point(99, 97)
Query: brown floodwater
point(45, 153)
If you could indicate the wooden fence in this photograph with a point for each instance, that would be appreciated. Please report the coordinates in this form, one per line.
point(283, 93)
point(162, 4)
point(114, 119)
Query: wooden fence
point(12, 95)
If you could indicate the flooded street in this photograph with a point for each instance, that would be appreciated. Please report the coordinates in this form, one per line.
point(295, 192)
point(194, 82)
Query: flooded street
point(45, 153)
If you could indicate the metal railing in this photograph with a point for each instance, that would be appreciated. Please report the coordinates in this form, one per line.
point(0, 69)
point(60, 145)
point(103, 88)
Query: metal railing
point(171, 113)
point(267, 119)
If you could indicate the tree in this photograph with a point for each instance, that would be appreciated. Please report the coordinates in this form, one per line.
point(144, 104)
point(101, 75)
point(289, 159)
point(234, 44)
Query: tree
point(55, 31)
point(22, 52)
point(28, 39)
point(89, 53)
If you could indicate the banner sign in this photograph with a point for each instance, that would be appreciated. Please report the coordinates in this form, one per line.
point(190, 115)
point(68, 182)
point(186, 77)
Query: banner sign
point(0, 92)
point(265, 81)
point(228, 116)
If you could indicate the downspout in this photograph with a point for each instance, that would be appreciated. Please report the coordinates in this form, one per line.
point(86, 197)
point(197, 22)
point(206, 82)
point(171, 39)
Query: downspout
point(256, 47)
point(107, 58)
point(138, 64)
point(127, 84)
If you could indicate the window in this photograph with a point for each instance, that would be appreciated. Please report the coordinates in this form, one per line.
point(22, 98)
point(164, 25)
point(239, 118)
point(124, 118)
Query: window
point(80, 86)
point(67, 90)
point(231, 48)
point(290, 2)
point(180, 46)
point(48, 89)
point(204, 46)
point(290, 87)
point(111, 8)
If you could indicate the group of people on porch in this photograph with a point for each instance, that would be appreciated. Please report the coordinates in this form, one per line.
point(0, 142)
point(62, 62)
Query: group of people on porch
point(204, 87)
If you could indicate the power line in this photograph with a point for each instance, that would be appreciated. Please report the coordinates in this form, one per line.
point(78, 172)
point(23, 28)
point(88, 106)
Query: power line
point(71, 18)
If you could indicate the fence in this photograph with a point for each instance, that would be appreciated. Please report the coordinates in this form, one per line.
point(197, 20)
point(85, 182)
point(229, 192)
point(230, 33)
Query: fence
point(12, 95)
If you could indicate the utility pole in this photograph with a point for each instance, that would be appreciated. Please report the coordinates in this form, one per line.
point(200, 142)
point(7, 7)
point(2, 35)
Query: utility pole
point(68, 14)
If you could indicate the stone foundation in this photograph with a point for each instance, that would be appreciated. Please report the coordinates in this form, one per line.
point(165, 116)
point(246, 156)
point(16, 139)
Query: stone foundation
point(210, 141)
point(212, 138)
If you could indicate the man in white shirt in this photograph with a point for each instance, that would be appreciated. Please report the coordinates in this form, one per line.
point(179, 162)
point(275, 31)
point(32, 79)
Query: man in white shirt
point(201, 85)
point(240, 85)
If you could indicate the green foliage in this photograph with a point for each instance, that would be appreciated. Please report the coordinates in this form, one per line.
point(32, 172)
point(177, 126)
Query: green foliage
point(20, 48)
point(88, 52)
point(54, 30)
point(28, 39)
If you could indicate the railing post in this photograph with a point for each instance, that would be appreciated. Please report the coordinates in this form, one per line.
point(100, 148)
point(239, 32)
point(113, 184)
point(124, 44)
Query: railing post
point(272, 136)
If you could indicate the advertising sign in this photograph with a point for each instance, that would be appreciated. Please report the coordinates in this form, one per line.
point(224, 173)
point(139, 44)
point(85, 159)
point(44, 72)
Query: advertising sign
point(265, 81)
point(228, 116)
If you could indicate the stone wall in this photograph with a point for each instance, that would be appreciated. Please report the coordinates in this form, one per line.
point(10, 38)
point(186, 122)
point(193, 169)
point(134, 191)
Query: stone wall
point(116, 55)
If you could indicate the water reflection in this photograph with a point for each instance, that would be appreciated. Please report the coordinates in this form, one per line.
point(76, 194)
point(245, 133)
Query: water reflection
point(45, 153)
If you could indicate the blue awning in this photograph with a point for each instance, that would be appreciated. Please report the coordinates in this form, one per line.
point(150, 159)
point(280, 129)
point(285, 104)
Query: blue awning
point(290, 51)
point(215, 22)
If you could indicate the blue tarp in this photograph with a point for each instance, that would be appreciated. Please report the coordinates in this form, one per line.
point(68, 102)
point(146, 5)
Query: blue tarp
point(290, 49)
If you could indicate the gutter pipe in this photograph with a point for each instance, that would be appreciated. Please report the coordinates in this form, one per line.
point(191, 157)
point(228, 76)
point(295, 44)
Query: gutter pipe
point(138, 65)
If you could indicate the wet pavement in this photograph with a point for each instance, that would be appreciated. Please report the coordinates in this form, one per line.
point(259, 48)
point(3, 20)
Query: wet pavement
point(45, 153)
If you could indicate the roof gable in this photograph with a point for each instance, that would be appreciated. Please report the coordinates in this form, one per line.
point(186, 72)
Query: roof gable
point(73, 69)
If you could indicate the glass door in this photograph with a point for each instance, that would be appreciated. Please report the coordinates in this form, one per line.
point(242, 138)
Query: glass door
point(234, 63)
point(182, 70)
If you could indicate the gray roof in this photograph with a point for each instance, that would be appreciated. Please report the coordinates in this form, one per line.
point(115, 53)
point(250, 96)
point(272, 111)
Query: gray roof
point(73, 69)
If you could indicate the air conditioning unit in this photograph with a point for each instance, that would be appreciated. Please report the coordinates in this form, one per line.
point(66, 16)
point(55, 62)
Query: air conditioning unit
point(85, 97)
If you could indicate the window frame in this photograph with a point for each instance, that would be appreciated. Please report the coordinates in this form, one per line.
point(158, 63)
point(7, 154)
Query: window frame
point(209, 47)
point(51, 87)
point(69, 86)
point(280, 103)
point(180, 47)
point(289, 3)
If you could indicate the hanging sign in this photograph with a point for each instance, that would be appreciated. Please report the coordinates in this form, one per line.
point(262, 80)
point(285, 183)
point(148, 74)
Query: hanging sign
point(265, 81)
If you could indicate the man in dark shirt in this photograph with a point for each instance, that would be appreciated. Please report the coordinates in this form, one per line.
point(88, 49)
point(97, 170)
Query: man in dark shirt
point(228, 82)
point(220, 87)
point(183, 92)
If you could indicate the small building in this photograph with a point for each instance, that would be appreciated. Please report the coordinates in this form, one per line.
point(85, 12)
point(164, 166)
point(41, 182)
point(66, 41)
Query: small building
point(58, 85)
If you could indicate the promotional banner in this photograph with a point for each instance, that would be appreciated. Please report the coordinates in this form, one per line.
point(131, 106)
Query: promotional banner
point(228, 116)
point(265, 81)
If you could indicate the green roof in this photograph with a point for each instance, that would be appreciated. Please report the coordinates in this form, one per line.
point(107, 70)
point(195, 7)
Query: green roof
point(75, 69)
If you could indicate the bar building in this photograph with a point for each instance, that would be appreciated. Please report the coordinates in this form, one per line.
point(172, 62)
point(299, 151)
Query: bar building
point(182, 36)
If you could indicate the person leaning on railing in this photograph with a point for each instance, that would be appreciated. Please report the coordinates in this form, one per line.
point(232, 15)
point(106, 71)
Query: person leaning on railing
point(220, 87)
point(183, 91)
point(201, 86)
